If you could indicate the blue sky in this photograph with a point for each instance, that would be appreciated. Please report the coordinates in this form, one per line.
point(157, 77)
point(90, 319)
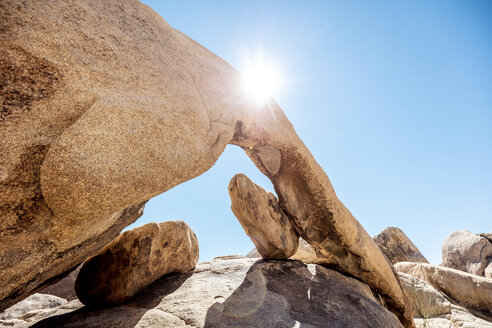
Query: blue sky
point(393, 98)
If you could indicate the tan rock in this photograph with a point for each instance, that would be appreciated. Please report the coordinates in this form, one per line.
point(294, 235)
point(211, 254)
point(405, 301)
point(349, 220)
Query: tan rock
point(305, 253)
point(467, 252)
point(467, 290)
point(397, 247)
point(244, 292)
point(262, 219)
point(134, 260)
point(112, 85)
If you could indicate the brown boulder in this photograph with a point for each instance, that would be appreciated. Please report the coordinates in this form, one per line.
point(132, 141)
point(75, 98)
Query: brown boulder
point(262, 219)
point(134, 260)
point(397, 247)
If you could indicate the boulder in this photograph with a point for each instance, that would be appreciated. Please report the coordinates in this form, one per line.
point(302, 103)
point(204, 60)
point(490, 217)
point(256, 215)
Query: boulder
point(488, 271)
point(305, 253)
point(458, 318)
point(426, 300)
point(433, 309)
point(467, 252)
point(397, 247)
point(94, 91)
point(134, 260)
point(261, 217)
point(35, 308)
point(243, 293)
point(467, 290)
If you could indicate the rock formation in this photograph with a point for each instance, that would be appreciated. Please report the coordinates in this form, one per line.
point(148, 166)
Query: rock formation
point(265, 223)
point(397, 247)
point(35, 308)
point(134, 260)
point(305, 253)
point(108, 106)
point(243, 293)
point(467, 252)
point(467, 290)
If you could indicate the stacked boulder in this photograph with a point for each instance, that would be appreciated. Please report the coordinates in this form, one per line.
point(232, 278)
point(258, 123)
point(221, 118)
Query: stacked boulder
point(453, 295)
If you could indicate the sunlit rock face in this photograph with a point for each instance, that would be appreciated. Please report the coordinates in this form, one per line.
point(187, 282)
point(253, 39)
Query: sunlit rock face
point(262, 218)
point(396, 246)
point(466, 251)
point(467, 290)
point(120, 108)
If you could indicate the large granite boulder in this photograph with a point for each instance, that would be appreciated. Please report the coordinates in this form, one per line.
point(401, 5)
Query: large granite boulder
point(261, 217)
point(397, 247)
point(134, 260)
point(464, 289)
point(467, 252)
point(94, 92)
point(243, 293)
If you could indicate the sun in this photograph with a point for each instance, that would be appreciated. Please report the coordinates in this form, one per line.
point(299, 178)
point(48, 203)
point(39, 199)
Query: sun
point(260, 81)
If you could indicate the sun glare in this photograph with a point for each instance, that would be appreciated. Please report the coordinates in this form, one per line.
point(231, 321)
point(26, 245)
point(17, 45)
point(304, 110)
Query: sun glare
point(260, 81)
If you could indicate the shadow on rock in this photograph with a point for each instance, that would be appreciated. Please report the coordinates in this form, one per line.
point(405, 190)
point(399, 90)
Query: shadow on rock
point(125, 315)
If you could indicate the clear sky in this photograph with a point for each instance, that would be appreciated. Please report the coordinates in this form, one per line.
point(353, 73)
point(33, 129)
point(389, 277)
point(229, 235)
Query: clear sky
point(393, 98)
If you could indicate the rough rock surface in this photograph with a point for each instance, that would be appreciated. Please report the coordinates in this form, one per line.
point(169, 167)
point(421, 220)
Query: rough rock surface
point(467, 252)
point(433, 310)
point(243, 293)
point(261, 217)
point(65, 288)
point(134, 260)
point(95, 91)
point(397, 247)
point(488, 271)
point(34, 308)
point(305, 253)
point(458, 318)
point(467, 290)
point(427, 301)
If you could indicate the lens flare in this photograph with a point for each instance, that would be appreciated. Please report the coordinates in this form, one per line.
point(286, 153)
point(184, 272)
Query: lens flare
point(260, 81)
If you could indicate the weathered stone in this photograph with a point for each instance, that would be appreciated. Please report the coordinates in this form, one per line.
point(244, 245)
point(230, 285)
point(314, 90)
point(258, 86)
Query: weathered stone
point(35, 308)
point(262, 219)
point(488, 271)
point(467, 252)
point(134, 260)
point(397, 247)
point(112, 85)
point(467, 290)
point(243, 293)
point(459, 318)
point(427, 301)
point(305, 253)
